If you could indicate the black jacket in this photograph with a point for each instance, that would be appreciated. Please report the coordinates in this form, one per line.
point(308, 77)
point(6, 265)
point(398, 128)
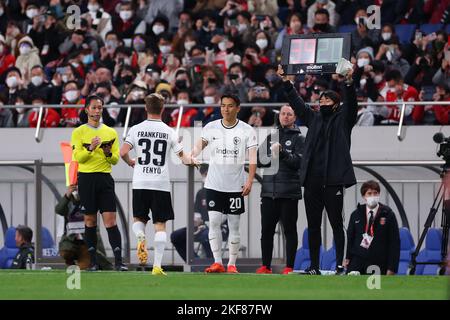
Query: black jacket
point(338, 167)
point(385, 248)
point(286, 182)
point(24, 258)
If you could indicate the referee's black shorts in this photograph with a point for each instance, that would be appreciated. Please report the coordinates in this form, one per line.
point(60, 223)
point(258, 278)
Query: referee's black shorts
point(96, 192)
point(156, 201)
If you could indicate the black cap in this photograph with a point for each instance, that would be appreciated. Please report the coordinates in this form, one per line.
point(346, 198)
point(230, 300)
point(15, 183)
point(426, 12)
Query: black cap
point(153, 68)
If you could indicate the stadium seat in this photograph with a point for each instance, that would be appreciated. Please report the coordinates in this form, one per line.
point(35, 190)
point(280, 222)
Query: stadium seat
point(328, 261)
point(302, 258)
point(48, 244)
point(447, 28)
point(346, 28)
point(430, 28)
point(9, 251)
point(405, 32)
point(431, 253)
point(407, 247)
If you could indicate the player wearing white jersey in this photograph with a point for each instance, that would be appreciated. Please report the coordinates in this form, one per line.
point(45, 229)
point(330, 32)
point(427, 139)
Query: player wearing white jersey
point(228, 141)
point(152, 141)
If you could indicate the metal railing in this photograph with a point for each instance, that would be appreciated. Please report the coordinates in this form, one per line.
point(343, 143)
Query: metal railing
point(400, 132)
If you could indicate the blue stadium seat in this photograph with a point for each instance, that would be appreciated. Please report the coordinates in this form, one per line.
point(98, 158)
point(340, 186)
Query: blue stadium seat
point(302, 258)
point(407, 247)
point(9, 251)
point(347, 28)
point(328, 261)
point(430, 28)
point(447, 28)
point(405, 32)
point(431, 253)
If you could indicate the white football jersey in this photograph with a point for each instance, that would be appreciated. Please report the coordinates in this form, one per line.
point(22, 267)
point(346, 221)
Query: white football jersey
point(152, 141)
point(227, 148)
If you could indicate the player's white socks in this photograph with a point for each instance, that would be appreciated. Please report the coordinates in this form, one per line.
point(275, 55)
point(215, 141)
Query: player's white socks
point(234, 239)
point(160, 244)
point(139, 230)
point(215, 235)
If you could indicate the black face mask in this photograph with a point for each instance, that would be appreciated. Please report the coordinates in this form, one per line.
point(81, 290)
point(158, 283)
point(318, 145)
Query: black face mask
point(127, 79)
point(326, 110)
point(321, 27)
point(181, 84)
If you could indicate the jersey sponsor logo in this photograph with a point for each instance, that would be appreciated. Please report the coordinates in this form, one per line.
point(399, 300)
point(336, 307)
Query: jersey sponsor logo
point(227, 151)
point(288, 143)
point(236, 140)
point(211, 203)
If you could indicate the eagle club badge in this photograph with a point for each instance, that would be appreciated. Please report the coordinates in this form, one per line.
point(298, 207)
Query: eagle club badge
point(382, 221)
point(236, 140)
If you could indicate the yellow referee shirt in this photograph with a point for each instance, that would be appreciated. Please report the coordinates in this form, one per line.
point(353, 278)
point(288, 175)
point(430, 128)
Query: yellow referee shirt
point(94, 161)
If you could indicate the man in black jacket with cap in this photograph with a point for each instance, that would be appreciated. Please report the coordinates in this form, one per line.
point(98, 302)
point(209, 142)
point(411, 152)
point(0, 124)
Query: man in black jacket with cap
point(373, 237)
point(281, 188)
point(326, 167)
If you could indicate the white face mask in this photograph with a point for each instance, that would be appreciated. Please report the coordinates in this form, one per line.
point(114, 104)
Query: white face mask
point(182, 102)
point(222, 46)
point(209, 100)
point(155, 76)
point(20, 109)
point(24, 49)
point(158, 29)
point(31, 13)
point(262, 43)
point(362, 82)
point(372, 201)
point(363, 62)
point(188, 45)
point(1, 11)
point(12, 82)
point(386, 36)
point(242, 27)
point(93, 7)
point(71, 95)
point(64, 78)
point(37, 80)
point(165, 49)
point(125, 15)
point(378, 78)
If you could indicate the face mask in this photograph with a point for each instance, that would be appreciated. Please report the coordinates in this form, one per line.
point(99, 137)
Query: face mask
point(321, 27)
point(125, 15)
point(112, 44)
point(1, 11)
point(182, 102)
point(272, 77)
point(24, 49)
point(262, 43)
point(209, 100)
point(136, 95)
point(372, 201)
point(362, 83)
point(165, 49)
point(71, 95)
point(31, 13)
point(155, 76)
point(363, 62)
point(20, 110)
point(378, 78)
point(139, 47)
point(295, 26)
point(37, 81)
point(222, 46)
point(386, 36)
point(12, 82)
point(181, 84)
point(127, 79)
point(65, 78)
point(264, 25)
point(326, 110)
point(242, 27)
point(158, 29)
point(198, 60)
point(93, 7)
point(88, 59)
point(188, 45)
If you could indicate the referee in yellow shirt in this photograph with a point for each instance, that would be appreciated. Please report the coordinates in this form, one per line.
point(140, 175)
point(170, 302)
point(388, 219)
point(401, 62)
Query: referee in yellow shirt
point(96, 148)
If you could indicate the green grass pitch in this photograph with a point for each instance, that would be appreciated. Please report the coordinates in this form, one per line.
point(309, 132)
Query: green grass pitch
point(191, 286)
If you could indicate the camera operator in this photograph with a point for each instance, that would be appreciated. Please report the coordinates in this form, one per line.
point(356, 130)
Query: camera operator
point(258, 116)
point(238, 82)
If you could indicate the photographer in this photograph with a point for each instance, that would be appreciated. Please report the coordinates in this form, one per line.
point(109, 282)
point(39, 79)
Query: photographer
point(326, 168)
point(238, 82)
point(362, 36)
point(258, 116)
point(281, 191)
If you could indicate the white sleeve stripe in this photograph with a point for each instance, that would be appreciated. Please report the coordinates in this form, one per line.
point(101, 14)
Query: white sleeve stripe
point(131, 145)
point(252, 146)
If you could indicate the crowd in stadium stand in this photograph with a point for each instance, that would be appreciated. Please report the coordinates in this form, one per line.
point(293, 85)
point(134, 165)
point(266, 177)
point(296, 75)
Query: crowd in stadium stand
point(193, 51)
